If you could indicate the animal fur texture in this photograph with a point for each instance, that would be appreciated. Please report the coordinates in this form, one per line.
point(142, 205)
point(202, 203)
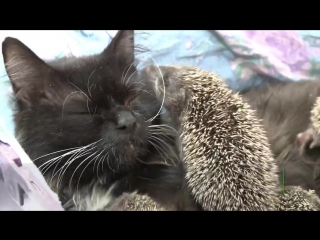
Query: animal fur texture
point(298, 199)
point(229, 161)
point(315, 116)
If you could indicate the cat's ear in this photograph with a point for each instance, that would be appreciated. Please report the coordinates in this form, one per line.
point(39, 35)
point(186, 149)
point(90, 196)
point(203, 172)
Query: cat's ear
point(122, 47)
point(27, 72)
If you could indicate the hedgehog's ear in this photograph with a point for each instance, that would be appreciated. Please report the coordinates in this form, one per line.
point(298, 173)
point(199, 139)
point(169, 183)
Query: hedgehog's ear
point(27, 72)
point(122, 47)
point(307, 140)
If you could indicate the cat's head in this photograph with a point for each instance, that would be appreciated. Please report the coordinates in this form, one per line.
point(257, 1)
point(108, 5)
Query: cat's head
point(98, 103)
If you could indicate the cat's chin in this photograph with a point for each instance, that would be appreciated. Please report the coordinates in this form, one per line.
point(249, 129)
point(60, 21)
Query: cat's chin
point(130, 152)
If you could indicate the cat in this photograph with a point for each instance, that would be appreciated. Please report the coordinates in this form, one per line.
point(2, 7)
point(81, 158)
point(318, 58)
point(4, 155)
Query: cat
point(92, 127)
point(285, 109)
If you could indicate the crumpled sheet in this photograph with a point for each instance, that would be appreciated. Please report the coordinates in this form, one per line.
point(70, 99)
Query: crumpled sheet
point(240, 57)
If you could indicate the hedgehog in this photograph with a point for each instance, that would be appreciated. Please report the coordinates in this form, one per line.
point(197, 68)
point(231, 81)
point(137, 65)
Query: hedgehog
point(297, 199)
point(230, 165)
point(137, 202)
point(315, 116)
point(226, 153)
point(291, 199)
point(315, 123)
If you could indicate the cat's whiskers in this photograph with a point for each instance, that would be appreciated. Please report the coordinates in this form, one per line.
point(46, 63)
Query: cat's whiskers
point(139, 89)
point(83, 161)
point(164, 92)
point(109, 164)
point(94, 164)
point(79, 90)
point(163, 126)
point(81, 153)
point(67, 149)
point(93, 159)
point(68, 98)
point(154, 132)
point(101, 159)
point(88, 99)
point(50, 161)
point(47, 165)
point(57, 164)
point(113, 152)
point(139, 160)
point(128, 86)
point(53, 160)
point(157, 136)
point(129, 78)
point(88, 83)
point(74, 152)
point(163, 145)
point(102, 167)
point(164, 134)
point(142, 151)
point(123, 78)
point(159, 151)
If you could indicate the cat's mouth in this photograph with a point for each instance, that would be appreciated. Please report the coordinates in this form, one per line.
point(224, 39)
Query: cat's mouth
point(132, 146)
point(132, 149)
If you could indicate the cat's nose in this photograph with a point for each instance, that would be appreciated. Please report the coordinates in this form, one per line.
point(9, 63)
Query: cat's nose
point(126, 121)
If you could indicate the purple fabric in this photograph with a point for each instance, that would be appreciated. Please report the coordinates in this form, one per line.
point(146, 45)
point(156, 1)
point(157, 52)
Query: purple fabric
point(23, 186)
point(285, 54)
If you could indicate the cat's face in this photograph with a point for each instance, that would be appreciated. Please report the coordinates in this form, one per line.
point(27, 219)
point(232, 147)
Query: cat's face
point(99, 103)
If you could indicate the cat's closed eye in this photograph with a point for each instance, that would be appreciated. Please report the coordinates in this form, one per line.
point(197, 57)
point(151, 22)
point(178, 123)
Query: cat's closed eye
point(82, 113)
point(132, 97)
point(77, 112)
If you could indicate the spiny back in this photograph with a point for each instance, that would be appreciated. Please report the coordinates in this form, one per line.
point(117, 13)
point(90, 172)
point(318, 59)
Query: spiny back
point(298, 199)
point(230, 165)
point(315, 116)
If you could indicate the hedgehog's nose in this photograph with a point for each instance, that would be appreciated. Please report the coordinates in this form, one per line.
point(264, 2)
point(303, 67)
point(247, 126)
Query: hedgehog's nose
point(126, 121)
